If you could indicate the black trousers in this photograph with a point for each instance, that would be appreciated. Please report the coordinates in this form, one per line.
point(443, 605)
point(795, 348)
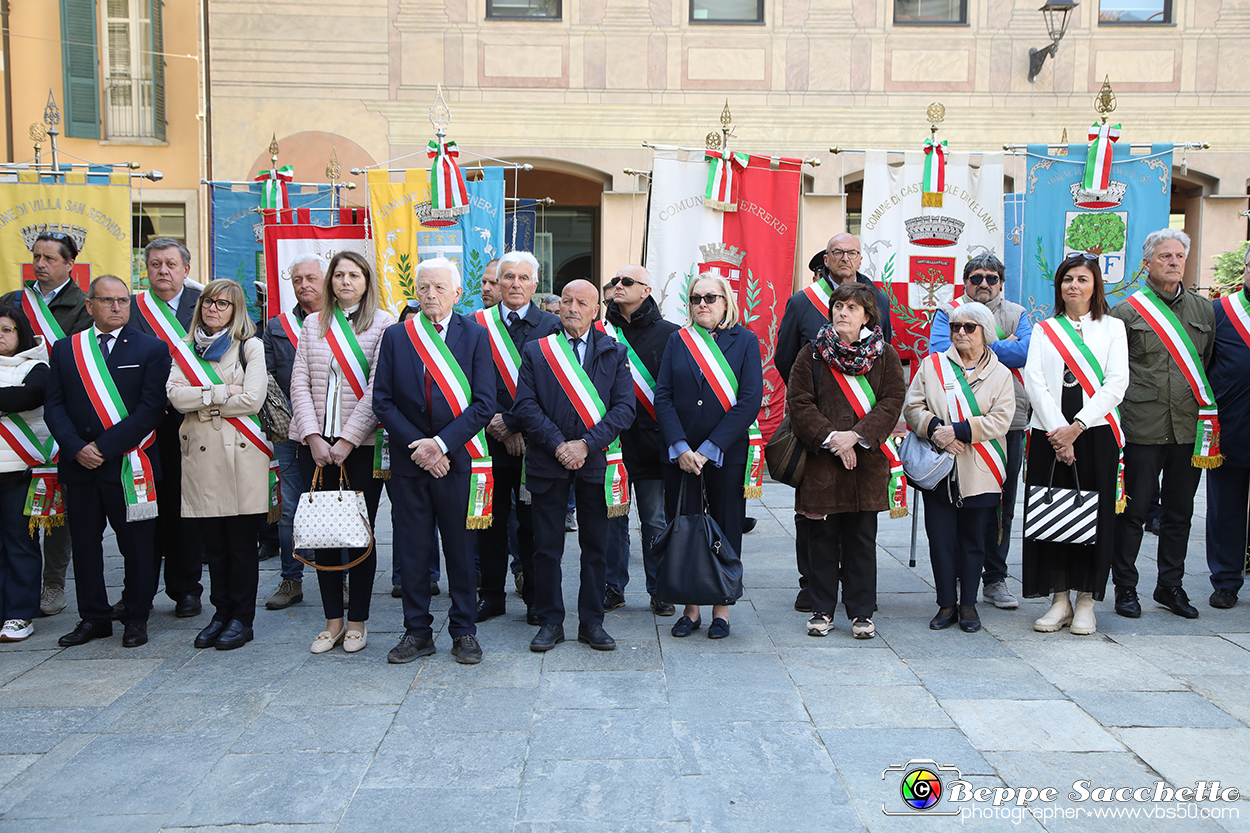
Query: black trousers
point(725, 503)
point(1228, 489)
point(176, 541)
point(359, 468)
point(802, 548)
point(550, 507)
point(88, 507)
point(957, 545)
point(492, 543)
point(1142, 466)
point(995, 568)
point(843, 547)
point(233, 571)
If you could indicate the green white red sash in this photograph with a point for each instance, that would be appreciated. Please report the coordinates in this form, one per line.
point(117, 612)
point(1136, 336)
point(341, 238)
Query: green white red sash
point(138, 483)
point(991, 451)
point(707, 354)
point(291, 326)
point(862, 398)
point(202, 374)
point(355, 366)
point(644, 383)
point(1088, 371)
point(818, 293)
point(589, 406)
point(723, 176)
point(1237, 308)
point(502, 348)
point(1098, 159)
point(934, 183)
point(455, 386)
point(40, 316)
point(44, 504)
point(448, 197)
point(1170, 331)
point(1002, 336)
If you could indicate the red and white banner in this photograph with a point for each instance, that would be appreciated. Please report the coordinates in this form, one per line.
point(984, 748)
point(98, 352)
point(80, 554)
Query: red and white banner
point(289, 235)
point(752, 247)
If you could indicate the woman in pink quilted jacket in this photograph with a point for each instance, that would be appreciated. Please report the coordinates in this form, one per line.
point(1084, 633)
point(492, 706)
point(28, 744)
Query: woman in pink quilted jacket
point(333, 419)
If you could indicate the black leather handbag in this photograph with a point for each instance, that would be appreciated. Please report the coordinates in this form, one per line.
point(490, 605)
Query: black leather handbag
point(694, 563)
point(784, 455)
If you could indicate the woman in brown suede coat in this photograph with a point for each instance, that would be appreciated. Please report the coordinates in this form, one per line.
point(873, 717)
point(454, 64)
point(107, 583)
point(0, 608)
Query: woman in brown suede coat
point(846, 482)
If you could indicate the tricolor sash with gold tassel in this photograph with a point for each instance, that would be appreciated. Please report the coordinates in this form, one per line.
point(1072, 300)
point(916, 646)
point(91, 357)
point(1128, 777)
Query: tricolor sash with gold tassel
point(1098, 158)
point(862, 398)
point(644, 383)
point(711, 360)
point(448, 195)
point(934, 173)
point(1182, 350)
point(44, 504)
point(589, 406)
point(723, 177)
point(456, 389)
point(1087, 370)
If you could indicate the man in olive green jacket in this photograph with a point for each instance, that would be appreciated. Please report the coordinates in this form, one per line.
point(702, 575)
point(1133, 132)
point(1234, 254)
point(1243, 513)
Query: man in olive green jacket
point(1160, 417)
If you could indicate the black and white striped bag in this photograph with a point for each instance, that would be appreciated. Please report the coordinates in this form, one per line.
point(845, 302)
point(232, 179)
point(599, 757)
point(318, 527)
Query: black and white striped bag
point(1066, 516)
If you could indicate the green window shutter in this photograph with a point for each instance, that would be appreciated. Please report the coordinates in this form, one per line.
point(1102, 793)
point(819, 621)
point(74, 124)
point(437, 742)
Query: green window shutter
point(79, 69)
point(158, 69)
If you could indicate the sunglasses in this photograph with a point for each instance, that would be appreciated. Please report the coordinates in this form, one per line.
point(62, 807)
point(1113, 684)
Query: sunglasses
point(625, 281)
point(968, 327)
point(708, 299)
point(992, 280)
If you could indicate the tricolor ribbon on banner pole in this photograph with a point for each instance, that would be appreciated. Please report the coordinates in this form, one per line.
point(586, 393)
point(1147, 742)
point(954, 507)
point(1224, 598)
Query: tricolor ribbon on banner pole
point(723, 177)
point(448, 196)
point(273, 193)
point(1098, 160)
point(934, 173)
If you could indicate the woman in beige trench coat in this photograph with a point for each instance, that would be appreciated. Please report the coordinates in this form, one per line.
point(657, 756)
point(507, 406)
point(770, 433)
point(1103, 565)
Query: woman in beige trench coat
point(225, 477)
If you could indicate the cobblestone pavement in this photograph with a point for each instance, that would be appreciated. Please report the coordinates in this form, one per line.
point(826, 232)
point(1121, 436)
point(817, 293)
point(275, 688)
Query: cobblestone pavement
point(766, 730)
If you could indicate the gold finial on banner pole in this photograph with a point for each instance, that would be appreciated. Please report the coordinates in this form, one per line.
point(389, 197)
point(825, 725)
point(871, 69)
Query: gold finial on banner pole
point(935, 114)
point(273, 151)
point(1104, 102)
point(440, 114)
point(1063, 140)
point(333, 170)
point(38, 133)
point(721, 141)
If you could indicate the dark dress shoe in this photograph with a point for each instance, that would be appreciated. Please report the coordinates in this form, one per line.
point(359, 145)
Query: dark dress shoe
point(531, 618)
point(135, 634)
point(612, 601)
point(748, 524)
point(548, 637)
point(435, 589)
point(661, 608)
point(1223, 599)
point(596, 637)
point(488, 610)
point(187, 607)
point(236, 635)
point(207, 638)
point(466, 650)
point(941, 621)
point(969, 621)
point(1126, 603)
point(719, 629)
point(409, 648)
point(803, 601)
point(397, 591)
point(685, 626)
point(266, 552)
point(85, 632)
point(119, 610)
point(1176, 600)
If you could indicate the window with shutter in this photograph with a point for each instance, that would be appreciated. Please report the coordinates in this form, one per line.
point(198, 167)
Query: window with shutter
point(78, 69)
point(134, 70)
point(158, 69)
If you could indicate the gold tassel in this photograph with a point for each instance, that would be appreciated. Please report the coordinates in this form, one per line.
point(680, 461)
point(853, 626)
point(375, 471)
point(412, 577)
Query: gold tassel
point(1213, 461)
point(931, 199)
point(620, 510)
point(274, 514)
point(381, 474)
point(898, 512)
point(752, 491)
point(477, 521)
point(1120, 506)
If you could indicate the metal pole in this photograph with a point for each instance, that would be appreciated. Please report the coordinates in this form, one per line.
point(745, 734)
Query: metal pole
point(915, 524)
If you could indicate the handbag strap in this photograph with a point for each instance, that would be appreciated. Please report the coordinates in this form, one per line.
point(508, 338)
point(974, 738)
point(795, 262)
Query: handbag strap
point(1076, 477)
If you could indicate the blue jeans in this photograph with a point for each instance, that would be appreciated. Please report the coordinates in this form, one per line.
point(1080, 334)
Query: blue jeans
point(649, 497)
point(293, 485)
point(20, 559)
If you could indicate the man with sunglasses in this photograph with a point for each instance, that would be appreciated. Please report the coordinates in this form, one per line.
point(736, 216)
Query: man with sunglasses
point(806, 312)
point(635, 318)
point(984, 280)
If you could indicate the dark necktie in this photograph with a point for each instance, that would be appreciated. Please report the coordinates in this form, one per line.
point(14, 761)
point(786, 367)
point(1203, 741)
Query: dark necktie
point(577, 349)
point(512, 319)
point(429, 382)
point(105, 338)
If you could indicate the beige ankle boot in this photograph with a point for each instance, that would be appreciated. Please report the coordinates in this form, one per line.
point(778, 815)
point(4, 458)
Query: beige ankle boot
point(1083, 622)
point(1060, 614)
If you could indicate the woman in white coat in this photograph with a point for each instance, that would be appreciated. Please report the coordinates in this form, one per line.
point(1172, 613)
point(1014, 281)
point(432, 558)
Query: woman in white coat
point(1075, 377)
point(225, 473)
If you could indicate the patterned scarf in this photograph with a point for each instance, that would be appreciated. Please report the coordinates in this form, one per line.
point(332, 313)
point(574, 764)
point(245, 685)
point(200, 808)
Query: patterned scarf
point(854, 359)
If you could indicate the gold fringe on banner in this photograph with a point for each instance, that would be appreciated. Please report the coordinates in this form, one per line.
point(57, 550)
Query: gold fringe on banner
point(931, 199)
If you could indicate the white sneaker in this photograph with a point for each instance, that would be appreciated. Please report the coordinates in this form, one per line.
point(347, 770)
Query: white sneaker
point(15, 630)
point(863, 628)
point(819, 625)
point(997, 594)
point(52, 601)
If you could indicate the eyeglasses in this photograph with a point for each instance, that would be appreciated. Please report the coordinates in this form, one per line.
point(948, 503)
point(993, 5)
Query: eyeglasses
point(992, 280)
point(968, 327)
point(220, 304)
point(7, 331)
point(708, 299)
point(839, 254)
point(625, 281)
point(115, 303)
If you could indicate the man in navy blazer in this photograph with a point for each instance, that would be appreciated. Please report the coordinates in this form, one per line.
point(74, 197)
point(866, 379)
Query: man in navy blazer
point(169, 265)
point(559, 449)
point(90, 467)
point(430, 465)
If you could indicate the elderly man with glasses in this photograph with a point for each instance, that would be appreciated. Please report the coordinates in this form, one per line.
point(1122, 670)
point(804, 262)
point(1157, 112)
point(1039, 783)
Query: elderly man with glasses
point(984, 281)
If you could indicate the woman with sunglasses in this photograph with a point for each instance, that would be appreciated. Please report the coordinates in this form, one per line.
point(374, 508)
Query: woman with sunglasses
point(705, 416)
point(1076, 375)
point(220, 385)
point(962, 400)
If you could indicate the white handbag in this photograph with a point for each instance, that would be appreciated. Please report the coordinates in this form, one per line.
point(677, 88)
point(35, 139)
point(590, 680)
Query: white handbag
point(332, 519)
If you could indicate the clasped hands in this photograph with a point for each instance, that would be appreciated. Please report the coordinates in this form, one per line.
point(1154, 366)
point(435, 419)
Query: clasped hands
point(692, 462)
point(572, 454)
point(842, 444)
point(324, 454)
point(430, 457)
point(1061, 439)
point(944, 436)
point(513, 441)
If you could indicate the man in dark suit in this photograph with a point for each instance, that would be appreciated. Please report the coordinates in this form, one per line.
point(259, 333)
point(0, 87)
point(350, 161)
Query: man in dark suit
point(91, 458)
point(169, 264)
point(562, 448)
point(429, 418)
point(523, 322)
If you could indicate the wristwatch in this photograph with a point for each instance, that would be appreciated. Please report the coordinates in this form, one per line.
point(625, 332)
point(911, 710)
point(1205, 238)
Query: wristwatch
point(1080, 425)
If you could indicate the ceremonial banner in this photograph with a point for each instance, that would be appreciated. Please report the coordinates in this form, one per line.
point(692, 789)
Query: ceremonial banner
point(286, 242)
point(398, 211)
point(93, 209)
point(525, 219)
point(1061, 216)
point(752, 247)
point(237, 231)
point(916, 254)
